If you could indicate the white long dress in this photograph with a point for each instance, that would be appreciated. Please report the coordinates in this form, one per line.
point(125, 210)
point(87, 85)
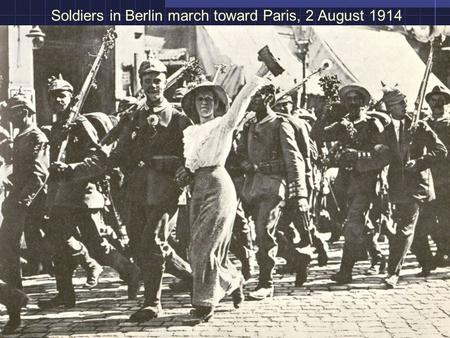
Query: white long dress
point(213, 205)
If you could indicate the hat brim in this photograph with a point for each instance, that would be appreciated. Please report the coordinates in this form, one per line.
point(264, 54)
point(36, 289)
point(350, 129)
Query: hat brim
point(188, 101)
point(444, 94)
point(343, 91)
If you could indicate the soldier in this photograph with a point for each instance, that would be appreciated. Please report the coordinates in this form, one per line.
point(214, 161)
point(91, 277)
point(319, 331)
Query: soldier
point(241, 244)
point(30, 160)
point(359, 162)
point(299, 119)
point(149, 152)
point(435, 215)
point(275, 170)
point(76, 206)
point(409, 178)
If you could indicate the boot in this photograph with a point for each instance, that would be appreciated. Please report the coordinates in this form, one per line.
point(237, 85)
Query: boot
point(14, 300)
point(200, 314)
point(344, 275)
point(92, 268)
point(302, 269)
point(238, 295)
point(246, 268)
point(377, 261)
point(178, 267)
point(321, 249)
point(128, 270)
point(68, 301)
point(265, 288)
point(64, 269)
point(152, 303)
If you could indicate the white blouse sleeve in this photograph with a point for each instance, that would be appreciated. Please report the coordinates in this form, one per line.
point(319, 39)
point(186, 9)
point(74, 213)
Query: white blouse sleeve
point(241, 102)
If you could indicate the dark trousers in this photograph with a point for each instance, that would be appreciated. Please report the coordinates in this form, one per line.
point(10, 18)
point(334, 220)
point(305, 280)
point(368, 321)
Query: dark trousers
point(39, 246)
point(11, 231)
point(293, 232)
point(71, 229)
point(266, 214)
point(420, 245)
point(241, 241)
point(149, 228)
point(433, 222)
point(405, 216)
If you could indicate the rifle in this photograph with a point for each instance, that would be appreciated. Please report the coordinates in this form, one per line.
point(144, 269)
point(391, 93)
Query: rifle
point(326, 64)
point(422, 90)
point(75, 110)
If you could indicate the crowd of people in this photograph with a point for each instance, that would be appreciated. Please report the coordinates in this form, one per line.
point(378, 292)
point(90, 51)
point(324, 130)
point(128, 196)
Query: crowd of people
point(191, 180)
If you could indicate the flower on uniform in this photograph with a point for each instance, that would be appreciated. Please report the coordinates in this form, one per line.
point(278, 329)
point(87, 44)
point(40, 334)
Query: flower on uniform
point(153, 120)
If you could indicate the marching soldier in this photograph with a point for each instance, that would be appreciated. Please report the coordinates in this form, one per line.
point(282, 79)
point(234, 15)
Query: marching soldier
point(435, 215)
point(275, 171)
point(76, 206)
point(360, 160)
point(30, 160)
point(300, 120)
point(149, 152)
point(409, 177)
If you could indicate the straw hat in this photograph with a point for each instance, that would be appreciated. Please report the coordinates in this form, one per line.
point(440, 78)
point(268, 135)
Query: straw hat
point(188, 101)
point(355, 87)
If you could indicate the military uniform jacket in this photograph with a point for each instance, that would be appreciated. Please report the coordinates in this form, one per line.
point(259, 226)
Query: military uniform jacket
point(305, 145)
point(441, 168)
point(30, 166)
point(270, 147)
point(81, 191)
point(362, 176)
point(426, 148)
point(149, 156)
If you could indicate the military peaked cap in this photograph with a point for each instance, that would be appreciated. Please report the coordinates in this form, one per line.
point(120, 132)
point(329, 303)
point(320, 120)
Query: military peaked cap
point(152, 65)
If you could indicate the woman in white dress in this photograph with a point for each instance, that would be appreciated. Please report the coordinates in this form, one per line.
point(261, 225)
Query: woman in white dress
point(213, 205)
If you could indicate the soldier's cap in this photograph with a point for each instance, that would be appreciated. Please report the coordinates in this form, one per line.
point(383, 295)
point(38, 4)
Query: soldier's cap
point(59, 84)
point(188, 101)
point(306, 114)
point(439, 90)
point(392, 95)
point(354, 87)
point(285, 99)
point(19, 101)
point(152, 65)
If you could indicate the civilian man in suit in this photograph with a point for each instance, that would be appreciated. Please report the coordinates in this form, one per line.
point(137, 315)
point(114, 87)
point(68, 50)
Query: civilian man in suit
point(411, 154)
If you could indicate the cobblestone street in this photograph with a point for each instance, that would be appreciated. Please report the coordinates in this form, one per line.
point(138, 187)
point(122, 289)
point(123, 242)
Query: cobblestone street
point(365, 308)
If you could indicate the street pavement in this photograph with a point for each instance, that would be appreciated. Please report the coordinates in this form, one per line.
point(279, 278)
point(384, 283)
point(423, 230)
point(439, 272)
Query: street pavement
point(418, 307)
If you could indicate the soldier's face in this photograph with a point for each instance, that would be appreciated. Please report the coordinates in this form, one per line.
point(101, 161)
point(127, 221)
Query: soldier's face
point(437, 102)
point(284, 108)
point(18, 117)
point(205, 104)
point(397, 110)
point(59, 100)
point(257, 103)
point(353, 101)
point(153, 84)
